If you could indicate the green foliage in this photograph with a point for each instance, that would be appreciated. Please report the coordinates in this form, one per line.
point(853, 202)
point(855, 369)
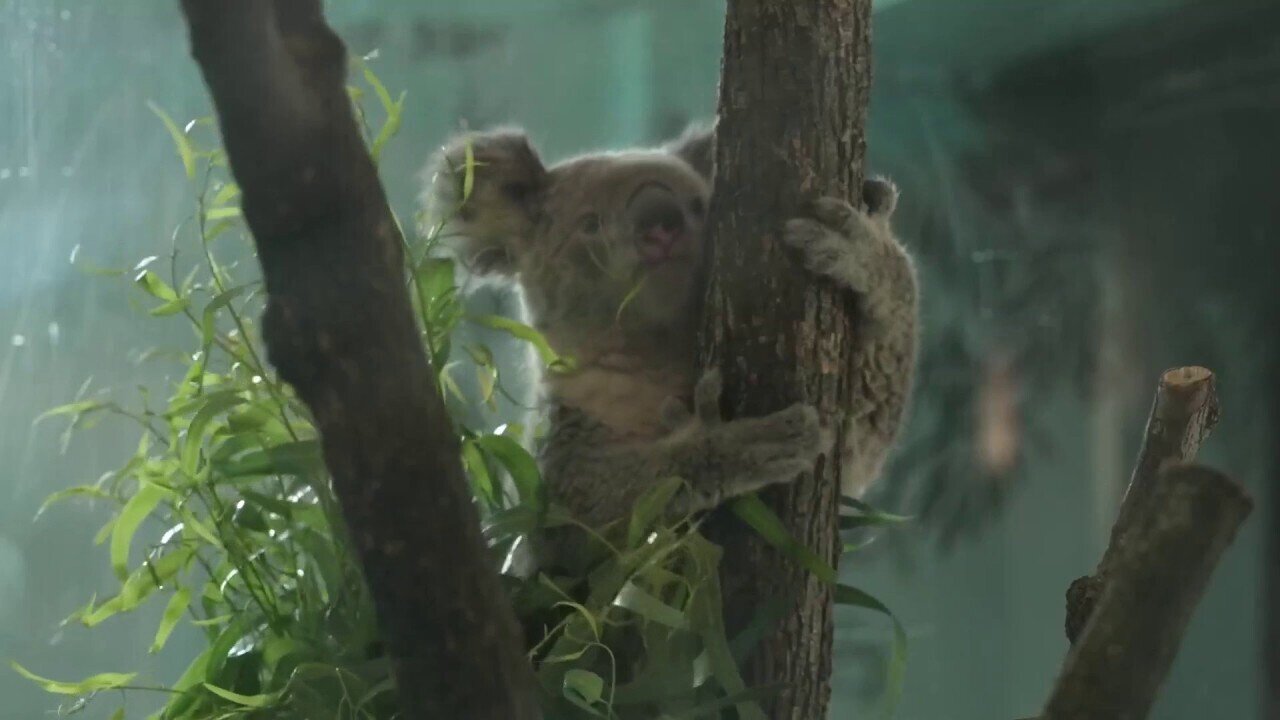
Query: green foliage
point(225, 515)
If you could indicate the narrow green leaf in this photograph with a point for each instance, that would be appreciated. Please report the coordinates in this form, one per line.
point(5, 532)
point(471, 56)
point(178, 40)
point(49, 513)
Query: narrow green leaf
point(591, 620)
point(77, 491)
point(169, 620)
point(191, 525)
point(172, 307)
point(896, 675)
point(102, 681)
point(518, 462)
point(180, 140)
point(254, 701)
point(389, 128)
point(141, 584)
point(97, 615)
point(478, 471)
point(584, 689)
point(215, 404)
point(631, 295)
point(228, 192)
point(707, 606)
point(867, 515)
point(209, 315)
point(189, 679)
point(650, 508)
point(149, 281)
point(639, 601)
point(469, 171)
point(436, 277)
point(75, 408)
point(293, 458)
point(520, 331)
point(384, 97)
point(222, 213)
point(117, 715)
point(134, 512)
point(104, 532)
point(769, 526)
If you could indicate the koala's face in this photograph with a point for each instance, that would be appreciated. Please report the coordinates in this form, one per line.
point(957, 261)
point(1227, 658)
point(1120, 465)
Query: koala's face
point(600, 243)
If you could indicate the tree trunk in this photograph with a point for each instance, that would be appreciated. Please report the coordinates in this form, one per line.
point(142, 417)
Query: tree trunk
point(340, 329)
point(793, 97)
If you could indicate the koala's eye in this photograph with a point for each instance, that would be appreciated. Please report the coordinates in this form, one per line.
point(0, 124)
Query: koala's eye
point(590, 223)
point(697, 207)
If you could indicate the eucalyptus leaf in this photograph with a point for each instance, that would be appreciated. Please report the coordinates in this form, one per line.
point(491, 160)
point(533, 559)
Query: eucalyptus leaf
point(766, 523)
point(131, 516)
point(94, 683)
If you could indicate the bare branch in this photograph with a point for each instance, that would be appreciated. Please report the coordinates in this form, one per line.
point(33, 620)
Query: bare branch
point(1184, 412)
point(1154, 582)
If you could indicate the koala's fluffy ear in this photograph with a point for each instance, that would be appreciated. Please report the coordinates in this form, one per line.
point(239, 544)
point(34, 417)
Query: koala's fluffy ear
point(491, 225)
point(697, 146)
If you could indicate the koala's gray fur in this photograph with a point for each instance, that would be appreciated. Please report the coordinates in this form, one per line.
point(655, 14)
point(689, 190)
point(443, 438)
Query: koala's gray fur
point(580, 235)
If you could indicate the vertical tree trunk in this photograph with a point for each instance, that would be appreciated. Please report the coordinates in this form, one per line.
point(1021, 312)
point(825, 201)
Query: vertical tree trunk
point(340, 329)
point(793, 98)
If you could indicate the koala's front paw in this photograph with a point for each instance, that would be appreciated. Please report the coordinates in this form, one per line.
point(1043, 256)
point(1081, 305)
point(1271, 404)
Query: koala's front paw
point(774, 448)
point(855, 248)
point(836, 241)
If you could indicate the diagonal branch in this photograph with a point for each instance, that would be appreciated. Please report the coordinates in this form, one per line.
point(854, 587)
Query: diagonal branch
point(1185, 410)
point(1155, 580)
point(339, 327)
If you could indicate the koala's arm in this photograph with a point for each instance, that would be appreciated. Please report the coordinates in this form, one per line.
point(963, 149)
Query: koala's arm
point(858, 250)
point(600, 479)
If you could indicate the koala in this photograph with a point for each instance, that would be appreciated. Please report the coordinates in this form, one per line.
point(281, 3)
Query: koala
point(609, 250)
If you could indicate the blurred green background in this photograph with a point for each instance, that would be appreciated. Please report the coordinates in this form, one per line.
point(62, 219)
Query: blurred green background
point(1089, 187)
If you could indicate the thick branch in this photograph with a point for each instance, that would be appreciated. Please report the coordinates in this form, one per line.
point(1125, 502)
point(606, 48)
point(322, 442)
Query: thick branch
point(1184, 412)
point(793, 97)
point(340, 328)
point(1154, 582)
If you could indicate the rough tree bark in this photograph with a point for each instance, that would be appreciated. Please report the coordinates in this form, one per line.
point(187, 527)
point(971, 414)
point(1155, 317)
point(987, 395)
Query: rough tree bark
point(1155, 580)
point(793, 96)
point(340, 329)
point(1127, 620)
point(1183, 414)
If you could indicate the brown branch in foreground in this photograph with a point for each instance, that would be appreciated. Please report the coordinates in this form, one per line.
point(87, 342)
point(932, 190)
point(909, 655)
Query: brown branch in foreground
point(340, 329)
point(1154, 582)
point(1184, 412)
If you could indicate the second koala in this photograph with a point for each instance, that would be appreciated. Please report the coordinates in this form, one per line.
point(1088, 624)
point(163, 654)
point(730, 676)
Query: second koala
point(609, 251)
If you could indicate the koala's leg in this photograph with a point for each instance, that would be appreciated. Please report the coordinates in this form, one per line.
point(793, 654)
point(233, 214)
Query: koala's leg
point(858, 250)
point(600, 479)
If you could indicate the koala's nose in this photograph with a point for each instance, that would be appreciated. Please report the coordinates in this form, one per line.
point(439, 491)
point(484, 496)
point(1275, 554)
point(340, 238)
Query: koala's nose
point(659, 220)
point(660, 214)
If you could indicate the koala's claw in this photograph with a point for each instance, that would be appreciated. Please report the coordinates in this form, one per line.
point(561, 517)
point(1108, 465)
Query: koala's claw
point(795, 432)
point(822, 249)
point(841, 242)
point(778, 447)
